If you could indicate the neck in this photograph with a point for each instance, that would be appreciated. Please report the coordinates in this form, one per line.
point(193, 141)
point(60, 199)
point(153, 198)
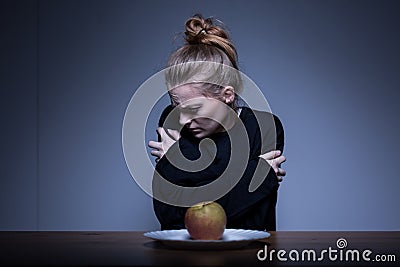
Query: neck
point(229, 121)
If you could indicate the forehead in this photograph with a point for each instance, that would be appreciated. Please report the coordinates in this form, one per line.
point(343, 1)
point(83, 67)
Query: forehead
point(184, 93)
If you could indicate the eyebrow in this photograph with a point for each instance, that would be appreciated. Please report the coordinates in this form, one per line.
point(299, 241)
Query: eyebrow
point(191, 106)
point(175, 102)
point(193, 103)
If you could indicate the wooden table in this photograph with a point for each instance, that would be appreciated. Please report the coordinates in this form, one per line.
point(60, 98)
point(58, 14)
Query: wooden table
point(133, 249)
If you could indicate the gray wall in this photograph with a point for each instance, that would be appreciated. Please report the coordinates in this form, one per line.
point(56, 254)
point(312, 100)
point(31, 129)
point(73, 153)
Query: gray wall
point(329, 70)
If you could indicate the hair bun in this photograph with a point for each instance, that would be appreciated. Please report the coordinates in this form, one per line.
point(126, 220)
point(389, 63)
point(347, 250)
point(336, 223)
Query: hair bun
point(203, 31)
point(197, 29)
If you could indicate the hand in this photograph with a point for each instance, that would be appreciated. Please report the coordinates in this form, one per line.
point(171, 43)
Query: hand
point(275, 159)
point(167, 140)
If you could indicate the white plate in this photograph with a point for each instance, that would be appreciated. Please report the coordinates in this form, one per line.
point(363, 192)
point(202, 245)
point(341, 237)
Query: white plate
point(231, 239)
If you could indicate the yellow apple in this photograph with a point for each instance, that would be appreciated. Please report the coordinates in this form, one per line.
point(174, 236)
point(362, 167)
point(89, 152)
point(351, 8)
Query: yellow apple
point(205, 221)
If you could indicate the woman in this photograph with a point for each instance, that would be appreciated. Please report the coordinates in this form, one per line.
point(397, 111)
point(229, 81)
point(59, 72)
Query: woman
point(203, 82)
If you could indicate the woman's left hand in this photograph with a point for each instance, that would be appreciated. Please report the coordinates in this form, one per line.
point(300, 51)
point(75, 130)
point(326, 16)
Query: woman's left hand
point(275, 159)
point(167, 140)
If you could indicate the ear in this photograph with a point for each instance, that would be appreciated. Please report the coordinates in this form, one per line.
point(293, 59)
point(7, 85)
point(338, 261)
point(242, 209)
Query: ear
point(228, 94)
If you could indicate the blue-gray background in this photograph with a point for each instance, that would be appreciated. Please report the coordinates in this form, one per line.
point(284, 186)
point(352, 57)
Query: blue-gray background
point(329, 69)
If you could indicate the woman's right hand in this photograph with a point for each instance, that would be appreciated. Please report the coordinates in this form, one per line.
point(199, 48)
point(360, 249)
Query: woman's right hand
point(275, 159)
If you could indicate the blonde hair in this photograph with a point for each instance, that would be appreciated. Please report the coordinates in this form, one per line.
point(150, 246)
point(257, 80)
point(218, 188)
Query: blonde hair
point(208, 58)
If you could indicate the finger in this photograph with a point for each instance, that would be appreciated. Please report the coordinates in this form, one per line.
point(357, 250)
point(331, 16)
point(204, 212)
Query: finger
point(164, 135)
point(271, 155)
point(279, 160)
point(276, 153)
point(267, 156)
point(174, 134)
point(280, 179)
point(156, 145)
point(281, 172)
point(157, 153)
point(161, 132)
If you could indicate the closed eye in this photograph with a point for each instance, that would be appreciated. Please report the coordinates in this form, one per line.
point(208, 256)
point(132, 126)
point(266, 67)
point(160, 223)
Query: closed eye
point(191, 109)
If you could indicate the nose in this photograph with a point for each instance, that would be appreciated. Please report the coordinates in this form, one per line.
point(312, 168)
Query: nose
point(184, 118)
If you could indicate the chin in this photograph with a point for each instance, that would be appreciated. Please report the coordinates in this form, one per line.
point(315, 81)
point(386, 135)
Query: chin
point(200, 135)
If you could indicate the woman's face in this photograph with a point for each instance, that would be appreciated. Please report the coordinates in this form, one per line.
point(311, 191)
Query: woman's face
point(201, 115)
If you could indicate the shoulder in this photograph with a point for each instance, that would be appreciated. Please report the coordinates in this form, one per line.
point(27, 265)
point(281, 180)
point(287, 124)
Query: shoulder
point(266, 124)
point(260, 118)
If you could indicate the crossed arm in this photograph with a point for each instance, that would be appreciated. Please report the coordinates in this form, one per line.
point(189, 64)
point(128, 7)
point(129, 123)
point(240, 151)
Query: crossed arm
point(274, 157)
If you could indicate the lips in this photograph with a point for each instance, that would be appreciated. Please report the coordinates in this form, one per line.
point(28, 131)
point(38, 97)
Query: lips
point(194, 130)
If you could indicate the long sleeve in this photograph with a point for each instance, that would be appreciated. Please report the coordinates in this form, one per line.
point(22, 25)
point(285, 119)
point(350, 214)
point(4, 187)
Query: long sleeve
point(256, 209)
point(244, 208)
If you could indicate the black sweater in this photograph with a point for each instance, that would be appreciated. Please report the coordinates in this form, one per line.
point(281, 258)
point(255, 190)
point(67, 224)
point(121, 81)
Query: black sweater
point(244, 209)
